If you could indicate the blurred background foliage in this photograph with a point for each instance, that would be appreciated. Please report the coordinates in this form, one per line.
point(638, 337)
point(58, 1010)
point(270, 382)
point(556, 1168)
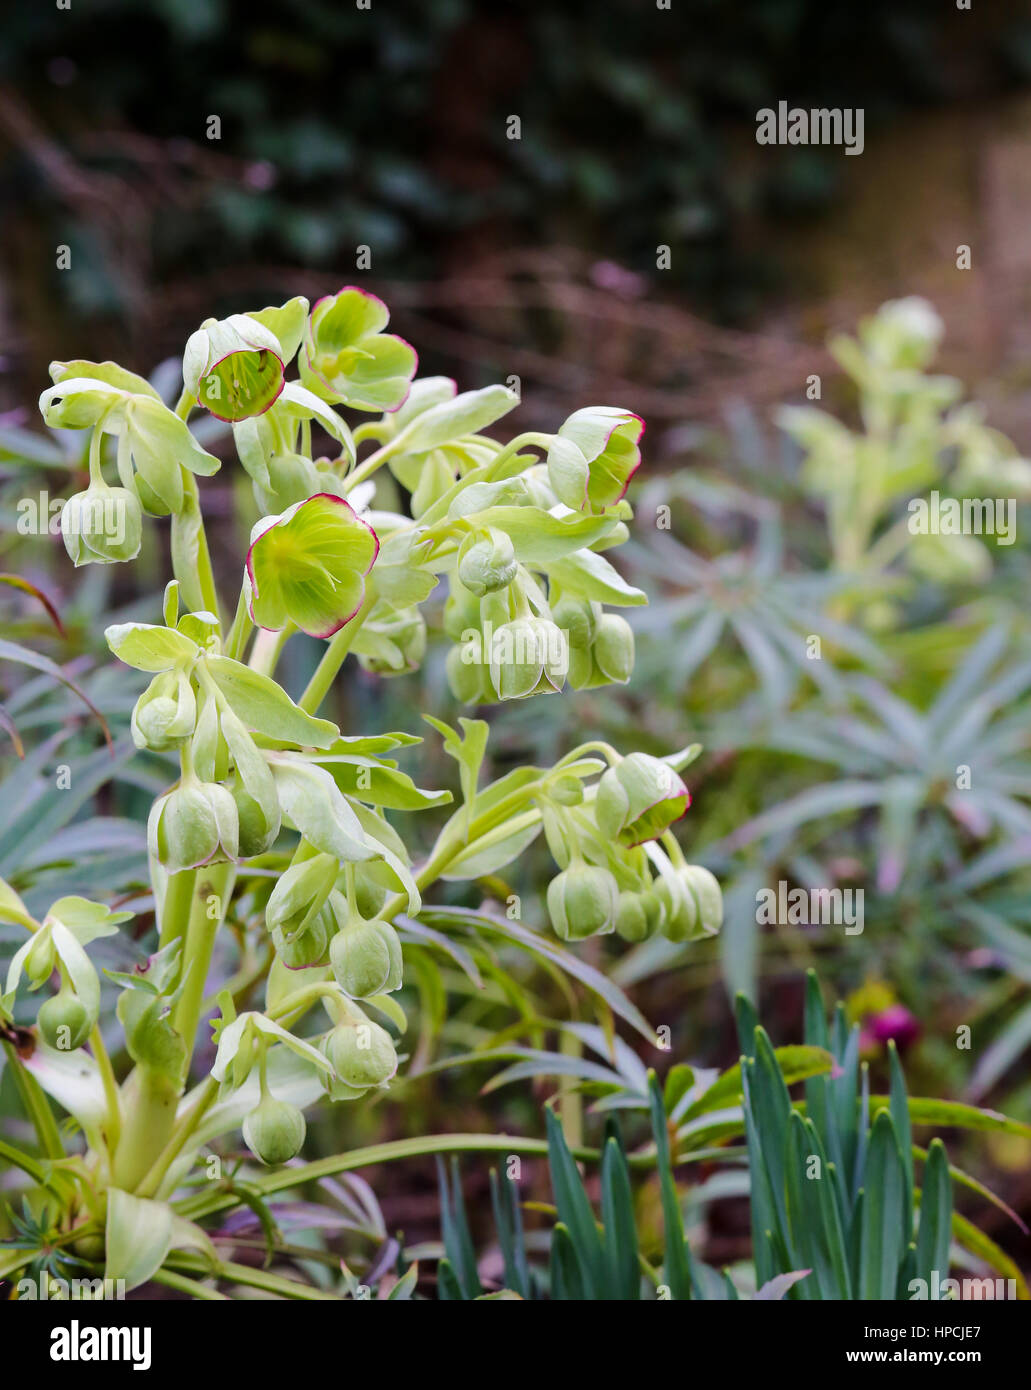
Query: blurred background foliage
point(387, 128)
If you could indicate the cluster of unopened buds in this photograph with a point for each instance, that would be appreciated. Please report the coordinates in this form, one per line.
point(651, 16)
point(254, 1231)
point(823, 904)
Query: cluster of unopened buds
point(274, 798)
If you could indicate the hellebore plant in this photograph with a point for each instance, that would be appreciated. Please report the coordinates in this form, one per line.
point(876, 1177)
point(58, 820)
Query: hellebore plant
point(277, 817)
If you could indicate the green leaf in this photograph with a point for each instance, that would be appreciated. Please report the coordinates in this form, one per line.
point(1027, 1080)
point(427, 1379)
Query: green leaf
point(622, 1274)
point(796, 1063)
point(677, 1254)
point(883, 1237)
point(265, 708)
point(586, 574)
point(574, 1209)
point(934, 1236)
point(954, 1114)
point(150, 648)
point(539, 538)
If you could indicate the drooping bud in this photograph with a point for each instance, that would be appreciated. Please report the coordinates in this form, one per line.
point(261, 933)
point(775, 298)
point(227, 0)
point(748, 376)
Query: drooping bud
point(528, 656)
point(400, 642)
point(300, 894)
point(692, 902)
point(103, 525)
point(582, 901)
point(194, 824)
point(613, 648)
point(639, 799)
point(274, 1131)
point(487, 564)
point(165, 712)
point(362, 1053)
point(638, 915)
point(64, 1021)
point(307, 948)
point(366, 958)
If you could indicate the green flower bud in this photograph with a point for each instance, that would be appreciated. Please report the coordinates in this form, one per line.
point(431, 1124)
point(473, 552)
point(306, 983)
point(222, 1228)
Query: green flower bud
point(488, 564)
point(41, 960)
point(613, 649)
point(300, 894)
point(362, 1053)
point(638, 915)
point(708, 897)
point(528, 656)
point(405, 630)
point(693, 904)
point(257, 833)
point(638, 799)
point(582, 901)
point(366, 958)
point(64, 1021)
point(103, 525)
point(576, 619)
point(274, 1130)
point(566, 789)
point(194, 824)
point(165, 712)
point(308, 947)
point(373, 884)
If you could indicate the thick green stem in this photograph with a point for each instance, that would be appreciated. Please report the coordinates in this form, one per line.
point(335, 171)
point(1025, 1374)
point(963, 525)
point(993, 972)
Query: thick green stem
point(333, 658)
point(150, 1099)
point(175, 909)
point(210, 902)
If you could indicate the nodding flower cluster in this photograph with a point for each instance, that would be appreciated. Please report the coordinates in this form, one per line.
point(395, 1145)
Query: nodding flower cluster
point(273, 804)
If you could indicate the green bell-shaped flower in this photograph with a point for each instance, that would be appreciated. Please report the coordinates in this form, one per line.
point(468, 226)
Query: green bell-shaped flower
point(361, 1052)
point(234, 367)
point(194, 824)
point(528, 656)
point(692, 903)
point(308, 566)
point(613, 648)
point(582, 901)
point(593, 457)
point(366, 958)
point(274, 1131)
point(346, 357)
point(639, 799)
point(638, 915)
point(103, 525)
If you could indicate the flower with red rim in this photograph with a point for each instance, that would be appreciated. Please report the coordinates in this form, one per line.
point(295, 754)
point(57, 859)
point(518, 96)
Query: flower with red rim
point(234, 367)
point(347, 358)
point(593, 457)
point(639, 799)
point(308, 566)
